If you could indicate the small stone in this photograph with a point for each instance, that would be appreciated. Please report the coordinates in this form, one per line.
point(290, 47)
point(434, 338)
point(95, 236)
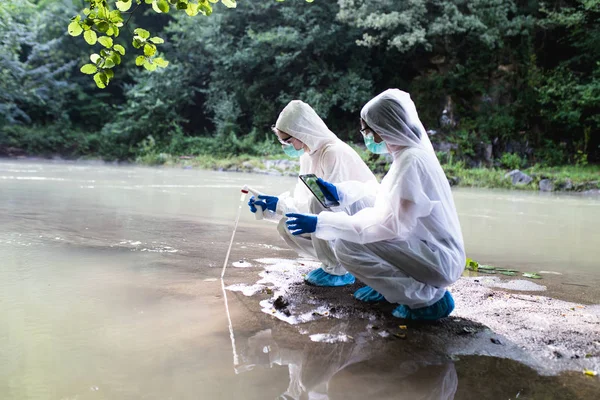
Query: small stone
point(495, 341)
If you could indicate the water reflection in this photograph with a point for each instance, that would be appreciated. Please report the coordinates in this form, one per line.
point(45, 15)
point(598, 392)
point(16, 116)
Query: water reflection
point(357, 369)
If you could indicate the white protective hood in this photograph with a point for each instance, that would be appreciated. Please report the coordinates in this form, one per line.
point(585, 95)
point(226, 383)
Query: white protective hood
point(414, 201)
point(329, 157)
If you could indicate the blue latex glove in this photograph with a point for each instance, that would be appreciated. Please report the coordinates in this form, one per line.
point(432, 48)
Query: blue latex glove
point(298, 224)
point(266, 202)
point(329, 190)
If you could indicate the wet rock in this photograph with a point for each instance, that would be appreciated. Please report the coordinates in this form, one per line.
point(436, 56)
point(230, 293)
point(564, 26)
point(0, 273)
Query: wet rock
point(546, 185)
point(453, 180)
point(280, 303)
point(566, 185)
point(518, 177)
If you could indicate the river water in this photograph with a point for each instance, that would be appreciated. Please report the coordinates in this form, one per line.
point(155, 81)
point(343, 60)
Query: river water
point(106, 274)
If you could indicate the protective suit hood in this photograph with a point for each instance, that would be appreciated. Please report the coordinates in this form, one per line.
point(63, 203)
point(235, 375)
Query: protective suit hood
point(393, 115)
point(302, 122)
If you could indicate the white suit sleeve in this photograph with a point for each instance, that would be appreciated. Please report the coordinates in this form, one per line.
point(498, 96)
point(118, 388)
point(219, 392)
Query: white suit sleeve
point(401, 201)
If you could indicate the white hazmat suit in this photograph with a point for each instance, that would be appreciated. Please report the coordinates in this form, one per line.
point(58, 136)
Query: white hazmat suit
point(328, 158)
point(409, 245)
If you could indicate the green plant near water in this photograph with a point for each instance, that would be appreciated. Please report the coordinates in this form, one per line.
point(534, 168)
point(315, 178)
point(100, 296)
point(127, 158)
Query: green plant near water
point(474, 266)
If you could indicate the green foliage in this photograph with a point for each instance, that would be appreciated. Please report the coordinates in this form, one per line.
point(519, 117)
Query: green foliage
point(106, 17)
point(512, 161)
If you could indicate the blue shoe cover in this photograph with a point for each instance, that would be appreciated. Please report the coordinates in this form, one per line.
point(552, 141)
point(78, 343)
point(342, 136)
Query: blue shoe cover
point(438, 310)
point(319, 277)
point(368, 295)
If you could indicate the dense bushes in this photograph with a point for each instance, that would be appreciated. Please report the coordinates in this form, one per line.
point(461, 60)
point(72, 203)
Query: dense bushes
point(521, 77)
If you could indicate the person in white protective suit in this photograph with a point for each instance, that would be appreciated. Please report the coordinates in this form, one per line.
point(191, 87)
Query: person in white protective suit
point(303, 134)
point(408, 246)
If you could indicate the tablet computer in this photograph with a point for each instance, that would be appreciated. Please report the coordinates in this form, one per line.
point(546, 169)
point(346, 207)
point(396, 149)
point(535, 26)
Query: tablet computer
point(310, 180)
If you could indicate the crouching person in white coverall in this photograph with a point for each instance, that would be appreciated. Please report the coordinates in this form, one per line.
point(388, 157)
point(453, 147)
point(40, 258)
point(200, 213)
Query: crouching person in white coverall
point(408, 246)
point(303, 134)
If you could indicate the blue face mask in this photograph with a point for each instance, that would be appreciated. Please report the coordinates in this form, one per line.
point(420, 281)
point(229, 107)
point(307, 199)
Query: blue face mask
point(291, 151)
point(377, 148)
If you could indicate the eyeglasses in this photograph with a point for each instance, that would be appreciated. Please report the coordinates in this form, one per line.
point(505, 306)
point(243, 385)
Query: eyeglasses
point(285, 142)
point(364, 132)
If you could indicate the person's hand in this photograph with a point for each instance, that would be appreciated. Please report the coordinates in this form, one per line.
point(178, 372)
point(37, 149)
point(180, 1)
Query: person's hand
point(329, 190)
point(251, 204)
point(263, 201)
point(267, 202)
point(298, 224)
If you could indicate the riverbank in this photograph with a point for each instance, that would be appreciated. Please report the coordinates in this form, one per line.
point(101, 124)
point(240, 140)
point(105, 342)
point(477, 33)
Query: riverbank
point(548, 179)
point(568, 178)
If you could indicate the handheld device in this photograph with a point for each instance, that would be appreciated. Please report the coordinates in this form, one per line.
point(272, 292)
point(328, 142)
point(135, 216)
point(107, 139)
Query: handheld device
point(310, 180)
point(259, 211)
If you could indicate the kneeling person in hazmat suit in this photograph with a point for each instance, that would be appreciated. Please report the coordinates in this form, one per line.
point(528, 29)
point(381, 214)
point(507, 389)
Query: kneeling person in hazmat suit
point(303, 134)
point(408, 246)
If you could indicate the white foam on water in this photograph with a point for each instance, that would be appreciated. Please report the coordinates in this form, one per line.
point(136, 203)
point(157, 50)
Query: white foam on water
point(329, 338)
point(247, 290)
point(516, 284)
point(241, 264)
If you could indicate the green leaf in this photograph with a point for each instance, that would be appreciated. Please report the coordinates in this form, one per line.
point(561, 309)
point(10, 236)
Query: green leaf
point(182, 5)
point(109, 73)
point(105, 41)
point(115, 16)
point(139, 60)
point(89, 69)
point(486, 267)
point(144, 34)
point(108, 63)
point(95, 58)
point(148, 1)
point(229, 3)
point(160, 62)
point(103, 26)
point(531, 275)
point(472, 265)
point(149, 49)
point(101, 80)
point(90, 37)
point(119, 49)
point(309, 1)
point(205, 8)
point(86, 11)
point(163, 5)
point(124, 5)
point(508, 273)
point(192, 9)
point(160, 6)
point(149, 66)
point(74, 28)
point(137, 42)
point(116, 58)
point(214, 1)
point(157, 40)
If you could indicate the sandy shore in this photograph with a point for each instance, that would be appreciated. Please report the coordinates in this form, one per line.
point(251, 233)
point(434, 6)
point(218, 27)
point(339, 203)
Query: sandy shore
point(547, 334)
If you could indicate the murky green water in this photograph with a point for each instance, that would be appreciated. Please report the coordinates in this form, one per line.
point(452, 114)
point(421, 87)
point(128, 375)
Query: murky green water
point(104, 291)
